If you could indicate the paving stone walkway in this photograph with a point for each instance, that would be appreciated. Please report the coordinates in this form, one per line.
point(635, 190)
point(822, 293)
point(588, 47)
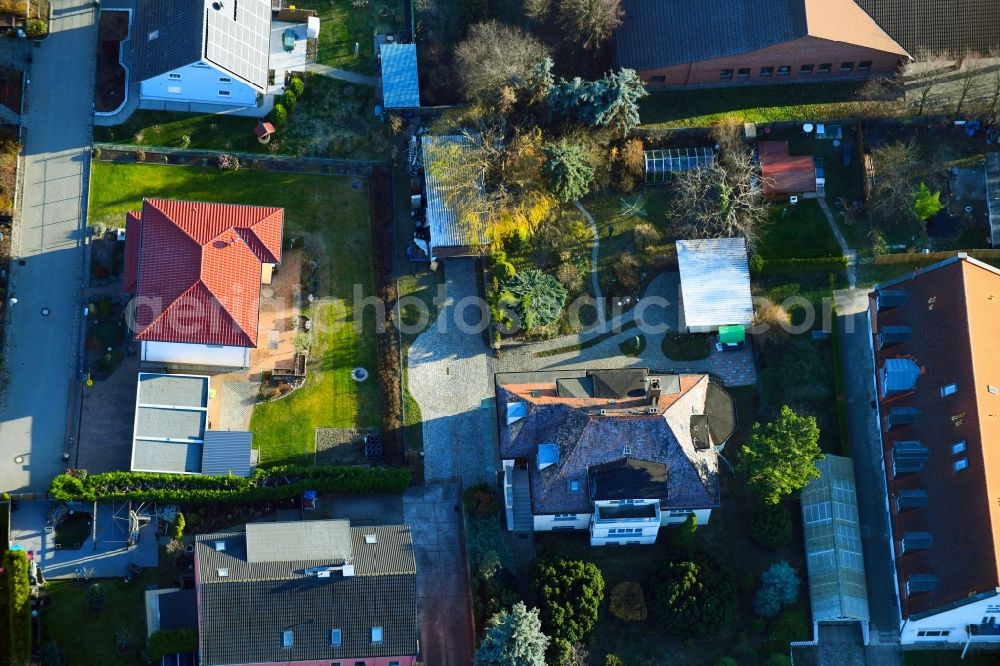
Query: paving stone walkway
point(237, 401)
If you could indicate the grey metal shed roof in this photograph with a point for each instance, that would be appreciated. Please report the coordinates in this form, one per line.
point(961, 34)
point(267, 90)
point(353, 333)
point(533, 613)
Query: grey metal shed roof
point(832, 533)
point(447, 228)
point(170, 420)
point(715, 282)
point(226, 452)
point(400, 83)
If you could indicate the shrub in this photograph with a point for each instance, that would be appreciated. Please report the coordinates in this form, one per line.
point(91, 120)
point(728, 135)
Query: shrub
point(683, 535)
point(571, 592)
point(51, 654)
point(178, 530)
point(537, 297)
point(790, 625)
point(778, 659)
point(289, 100)
point(569, 276)
point(725, 661)
point(279, 116)
point(613, 660)
point(96, 153)
point(36, 28)
point(781, 456)
point(627, 602)
point(140, 155)
point(771, 525)
point(756, 264)
point(17, 605)
point(184, 141)
point(779, 587)
point(646, 237)
point(513, 637)
point(228, 162)
point(172, 641)
point(503, 270)
point(692, 596)
point(771, 322)
point(96, 598)
point(272, 483)
point(480, 502)
point(626, 270)
point(566, 169)
point(296, 85)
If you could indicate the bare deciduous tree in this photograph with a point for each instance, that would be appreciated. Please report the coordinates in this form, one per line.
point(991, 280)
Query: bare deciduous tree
point(537, 10)
point(971, 70)
point(724, 200)
point(993, 107)
point(896, 168)
point(591, 21)
point(494, 55)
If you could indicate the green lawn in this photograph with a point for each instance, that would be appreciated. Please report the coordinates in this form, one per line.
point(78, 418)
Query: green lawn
point(125, 609)
point(342, 25)
point(800, 372)
point(797, 232)
point(332, 119)
point(701, 107)
point(323, 211)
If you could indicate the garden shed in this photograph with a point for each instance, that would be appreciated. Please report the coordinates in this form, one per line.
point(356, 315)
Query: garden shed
point(832, 533)
point(784, 173)
point(451, 234)
point(400, 85)
point(661, 162)
point(715, 284)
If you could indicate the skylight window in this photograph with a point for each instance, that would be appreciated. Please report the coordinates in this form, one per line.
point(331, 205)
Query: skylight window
point(336, 636)
point(960, 464)
point(371, 538)
point(377, 635)
point(287, 638)
point(220, 546)
point(222, 573)
point(950, 389)
point(958, 447)
point(574, 485)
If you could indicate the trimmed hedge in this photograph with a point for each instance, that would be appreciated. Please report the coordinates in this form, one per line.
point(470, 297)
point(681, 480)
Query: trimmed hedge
point(172, 641)
point(15, 563)
point(273, 483)
point(761, 266)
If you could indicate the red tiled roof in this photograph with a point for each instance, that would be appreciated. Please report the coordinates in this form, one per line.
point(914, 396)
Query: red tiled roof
point(952, 310)
point(784, 173)
point(197, 269)
point(132, 231)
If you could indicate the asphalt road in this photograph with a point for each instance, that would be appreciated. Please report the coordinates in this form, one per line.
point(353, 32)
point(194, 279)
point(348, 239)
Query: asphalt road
point(41, 357)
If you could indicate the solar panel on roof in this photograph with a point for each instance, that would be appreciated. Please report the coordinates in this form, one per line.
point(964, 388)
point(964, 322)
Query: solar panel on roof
point(238, 38)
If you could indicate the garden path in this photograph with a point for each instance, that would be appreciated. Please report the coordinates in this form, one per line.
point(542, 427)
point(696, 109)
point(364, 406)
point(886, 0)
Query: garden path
point(594, 253)
point(852, 256)
point(342, 74)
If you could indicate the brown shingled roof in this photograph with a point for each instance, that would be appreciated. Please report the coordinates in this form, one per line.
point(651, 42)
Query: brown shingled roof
point(953, 309)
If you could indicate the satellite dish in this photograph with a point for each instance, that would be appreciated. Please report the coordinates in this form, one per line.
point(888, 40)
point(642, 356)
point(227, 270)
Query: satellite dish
point(217, 6)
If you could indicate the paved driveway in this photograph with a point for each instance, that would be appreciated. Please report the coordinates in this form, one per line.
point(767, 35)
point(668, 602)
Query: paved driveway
point(450, 375)
point(444, 606)
point(41, 356)
point(866, 449)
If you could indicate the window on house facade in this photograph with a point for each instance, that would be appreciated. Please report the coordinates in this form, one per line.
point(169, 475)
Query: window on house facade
point(225, 79)
point(950, 389)
point(806, 69)
point(847, 66)
point(784, 70)
point(743, 72)
point(174, 76)
point(865, 65)
point(726, 74)
point(933, 633)
point(574, 486)
point(660, 78)
point(565, 516)
point(766, 71)
point(823, 68)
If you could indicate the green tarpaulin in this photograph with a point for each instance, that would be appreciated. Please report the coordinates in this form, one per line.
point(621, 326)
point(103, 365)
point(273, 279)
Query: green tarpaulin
point(732, 335)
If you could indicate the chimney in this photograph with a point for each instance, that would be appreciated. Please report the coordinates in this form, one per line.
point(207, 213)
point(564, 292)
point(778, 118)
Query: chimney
point(654, 391)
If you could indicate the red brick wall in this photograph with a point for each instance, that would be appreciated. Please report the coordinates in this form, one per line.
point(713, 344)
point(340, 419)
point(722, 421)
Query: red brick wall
point(803, 51)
